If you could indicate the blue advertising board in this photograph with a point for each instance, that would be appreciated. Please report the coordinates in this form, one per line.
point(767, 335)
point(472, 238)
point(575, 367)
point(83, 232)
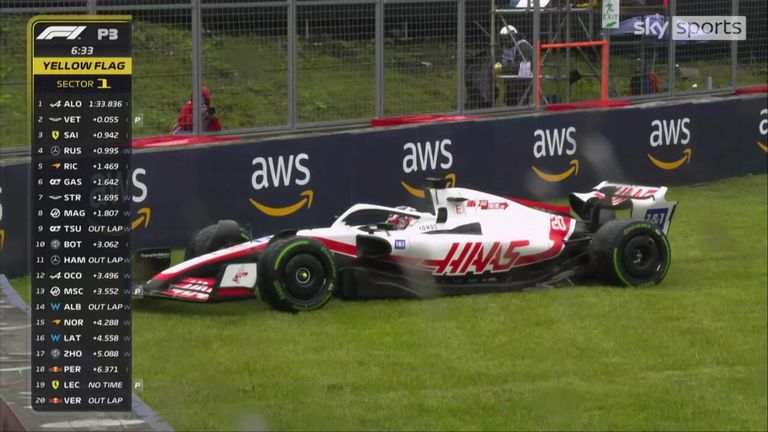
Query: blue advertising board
point(305, 181)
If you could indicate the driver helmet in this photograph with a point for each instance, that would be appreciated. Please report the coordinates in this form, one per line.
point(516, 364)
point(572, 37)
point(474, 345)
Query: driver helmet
point(508, 31)
point(402, 221)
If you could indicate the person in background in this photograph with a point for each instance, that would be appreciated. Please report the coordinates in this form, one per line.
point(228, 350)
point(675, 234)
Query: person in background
point(481, 89)
point(516, 55)
point(643, 83)
point(210, 121)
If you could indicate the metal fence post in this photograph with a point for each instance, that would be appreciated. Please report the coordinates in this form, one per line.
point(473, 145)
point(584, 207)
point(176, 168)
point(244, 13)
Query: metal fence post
point(197, 64)
point(379, 58)
point(671, 61)
point(460, 54)
point(568, 50)
point(734, 48)
point(533, 101)
point(292, 112)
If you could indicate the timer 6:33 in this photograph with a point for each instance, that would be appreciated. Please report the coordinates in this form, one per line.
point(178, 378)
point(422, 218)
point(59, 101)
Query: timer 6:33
point(81, 50)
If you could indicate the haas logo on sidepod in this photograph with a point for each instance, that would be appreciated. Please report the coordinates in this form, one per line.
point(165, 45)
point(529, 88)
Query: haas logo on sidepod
point(670, 132)
point(424, 157)
point(280, 172)
point(497, 257)
point(553, 143)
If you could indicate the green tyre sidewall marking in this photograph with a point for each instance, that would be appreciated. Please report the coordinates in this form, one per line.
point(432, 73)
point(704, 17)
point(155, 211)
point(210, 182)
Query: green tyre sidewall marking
point(276, 292)
point(279, 290)
point(617, 267)
point(617, 257)
point(631, 228)
point(669, 256)
point(288, 248)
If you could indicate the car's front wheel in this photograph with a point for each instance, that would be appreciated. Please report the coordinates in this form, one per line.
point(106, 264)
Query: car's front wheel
point(220, 235)
point(630, 253)
point(296, 274)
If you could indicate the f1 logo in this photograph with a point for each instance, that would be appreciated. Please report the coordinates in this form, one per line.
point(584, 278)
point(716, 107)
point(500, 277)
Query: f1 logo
point(110, 33)
point(69, 32)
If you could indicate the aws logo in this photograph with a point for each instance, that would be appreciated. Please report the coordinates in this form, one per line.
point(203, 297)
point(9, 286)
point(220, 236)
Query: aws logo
point(671, 133)
point(762, 127)
point(425, 157)
point(553, 143)
point(278, 173)
point(135, 188)
point(139, 196)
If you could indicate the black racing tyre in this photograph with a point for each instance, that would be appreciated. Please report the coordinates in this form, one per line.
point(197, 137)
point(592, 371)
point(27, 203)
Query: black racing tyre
point(629, 252)
point(221, 235)
point(296, 274)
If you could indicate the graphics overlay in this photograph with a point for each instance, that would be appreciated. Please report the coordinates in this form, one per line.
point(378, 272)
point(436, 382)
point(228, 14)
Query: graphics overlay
point(80, 102)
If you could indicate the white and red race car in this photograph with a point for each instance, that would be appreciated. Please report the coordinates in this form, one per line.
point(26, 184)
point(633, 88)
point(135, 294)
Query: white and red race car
point(471, 242)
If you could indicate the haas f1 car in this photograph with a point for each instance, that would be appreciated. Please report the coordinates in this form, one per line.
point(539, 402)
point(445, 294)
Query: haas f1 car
point(470, 242)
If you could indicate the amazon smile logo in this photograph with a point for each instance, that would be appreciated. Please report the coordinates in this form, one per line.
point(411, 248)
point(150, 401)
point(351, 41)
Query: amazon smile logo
point(307, 195)
point(554, 178)
point(670, 132)
point(143, 214)
point(674, 164)
point(420, 193)
point(555, 142)
point(280, 172)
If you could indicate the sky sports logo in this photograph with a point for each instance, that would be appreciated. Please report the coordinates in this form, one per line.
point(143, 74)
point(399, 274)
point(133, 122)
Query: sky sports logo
point(694, 28)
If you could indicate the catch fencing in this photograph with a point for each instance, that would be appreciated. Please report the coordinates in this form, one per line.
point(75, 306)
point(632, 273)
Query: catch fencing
point(288, 65)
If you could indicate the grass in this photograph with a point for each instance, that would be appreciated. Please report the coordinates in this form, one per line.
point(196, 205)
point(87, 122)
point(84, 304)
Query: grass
point(689, 354)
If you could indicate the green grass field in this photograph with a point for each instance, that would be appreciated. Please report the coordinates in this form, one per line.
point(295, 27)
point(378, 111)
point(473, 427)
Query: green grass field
point(689, 354)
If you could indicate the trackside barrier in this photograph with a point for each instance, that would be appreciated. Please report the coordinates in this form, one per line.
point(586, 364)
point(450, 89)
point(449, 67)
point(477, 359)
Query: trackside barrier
point(305, 181)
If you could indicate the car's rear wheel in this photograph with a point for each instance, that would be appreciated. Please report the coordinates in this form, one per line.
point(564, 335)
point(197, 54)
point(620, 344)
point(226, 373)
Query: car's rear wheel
point(220, 235)
point(630, 253)
point(296, 274)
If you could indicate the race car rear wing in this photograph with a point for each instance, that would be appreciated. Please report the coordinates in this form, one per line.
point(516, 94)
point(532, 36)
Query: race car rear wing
point(644, 202)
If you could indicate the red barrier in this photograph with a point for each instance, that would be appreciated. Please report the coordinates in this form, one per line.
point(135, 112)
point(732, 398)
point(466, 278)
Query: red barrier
point(610, 103)
point(420, 118)
point(750, 90)
point(180, 140)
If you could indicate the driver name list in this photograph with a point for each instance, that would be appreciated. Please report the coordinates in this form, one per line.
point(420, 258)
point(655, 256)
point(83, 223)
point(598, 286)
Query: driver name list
point(81, 218)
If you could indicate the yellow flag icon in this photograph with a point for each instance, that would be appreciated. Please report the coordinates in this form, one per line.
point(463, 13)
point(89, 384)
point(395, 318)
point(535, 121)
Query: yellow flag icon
point(55, 134)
